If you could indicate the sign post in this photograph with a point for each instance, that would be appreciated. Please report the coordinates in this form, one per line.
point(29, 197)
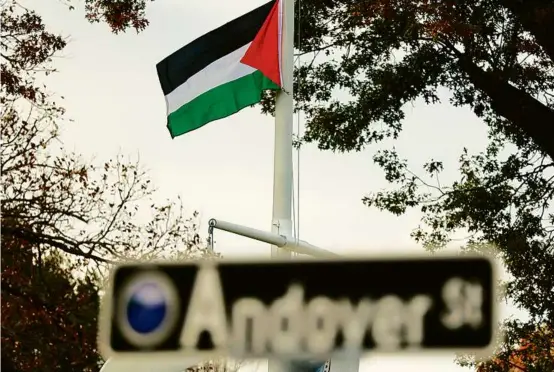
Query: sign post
point(299, 309)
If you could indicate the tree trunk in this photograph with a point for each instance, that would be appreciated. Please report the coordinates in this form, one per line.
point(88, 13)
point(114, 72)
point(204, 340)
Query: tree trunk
point(537, 16)
point(531, 116)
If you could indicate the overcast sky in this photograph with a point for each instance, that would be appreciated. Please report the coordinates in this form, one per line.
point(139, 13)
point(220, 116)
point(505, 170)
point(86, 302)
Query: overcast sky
point(224, 170)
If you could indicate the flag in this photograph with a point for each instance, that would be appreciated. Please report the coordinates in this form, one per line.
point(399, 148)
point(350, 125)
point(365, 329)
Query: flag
point(223, 71)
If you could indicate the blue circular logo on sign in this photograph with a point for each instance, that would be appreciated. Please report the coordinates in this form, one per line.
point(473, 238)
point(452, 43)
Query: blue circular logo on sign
point(148, 308)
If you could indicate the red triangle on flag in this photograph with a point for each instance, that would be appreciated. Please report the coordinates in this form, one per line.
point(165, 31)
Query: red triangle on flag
point(263, 53)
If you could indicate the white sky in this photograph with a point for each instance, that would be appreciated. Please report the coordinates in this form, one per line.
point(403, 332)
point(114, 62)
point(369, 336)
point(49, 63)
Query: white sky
point(224, 170)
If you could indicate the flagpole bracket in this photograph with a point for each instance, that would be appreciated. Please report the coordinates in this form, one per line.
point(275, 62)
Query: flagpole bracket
point(281, 241)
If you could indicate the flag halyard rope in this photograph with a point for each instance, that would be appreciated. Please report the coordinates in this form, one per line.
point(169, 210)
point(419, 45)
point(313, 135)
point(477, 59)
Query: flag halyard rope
point(296, 210)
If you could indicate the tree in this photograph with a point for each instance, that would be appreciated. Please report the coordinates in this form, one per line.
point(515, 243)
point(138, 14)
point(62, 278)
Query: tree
point(492, 55)
point(535, 353)
point(64, 219)
point(49, 319)
point(56, 199)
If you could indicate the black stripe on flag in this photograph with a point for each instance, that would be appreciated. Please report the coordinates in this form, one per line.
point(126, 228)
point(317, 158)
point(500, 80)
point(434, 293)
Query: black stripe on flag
point(177, 68)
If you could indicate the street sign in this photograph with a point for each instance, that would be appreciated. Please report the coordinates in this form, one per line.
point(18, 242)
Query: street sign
point(310, 309)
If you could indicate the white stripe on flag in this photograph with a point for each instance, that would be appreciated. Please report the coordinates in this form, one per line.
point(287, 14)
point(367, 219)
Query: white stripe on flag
point(222, 71)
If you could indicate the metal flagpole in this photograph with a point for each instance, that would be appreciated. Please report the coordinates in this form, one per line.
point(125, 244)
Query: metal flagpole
point(282, 171)
point(282, 162)
point(283, 167)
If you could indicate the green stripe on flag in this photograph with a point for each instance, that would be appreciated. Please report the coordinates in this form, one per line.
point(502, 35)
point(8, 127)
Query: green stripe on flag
point(219, 103)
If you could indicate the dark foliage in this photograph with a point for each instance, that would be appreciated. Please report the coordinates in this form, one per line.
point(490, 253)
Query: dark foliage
point(63, 218)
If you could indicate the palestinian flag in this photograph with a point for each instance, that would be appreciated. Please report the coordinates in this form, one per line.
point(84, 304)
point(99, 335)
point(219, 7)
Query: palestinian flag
point(223, 71)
